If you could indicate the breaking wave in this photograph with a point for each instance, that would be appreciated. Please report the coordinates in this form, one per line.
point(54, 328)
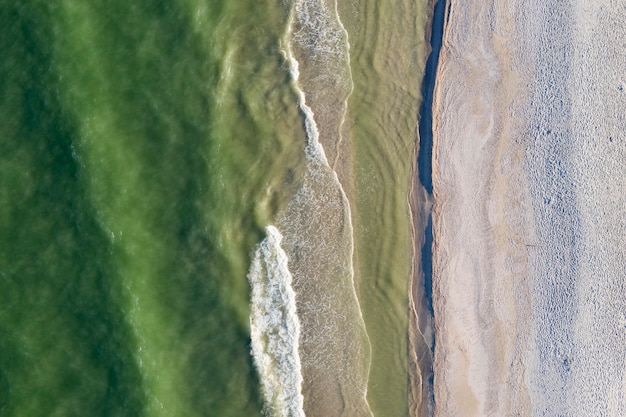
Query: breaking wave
point(275, 328)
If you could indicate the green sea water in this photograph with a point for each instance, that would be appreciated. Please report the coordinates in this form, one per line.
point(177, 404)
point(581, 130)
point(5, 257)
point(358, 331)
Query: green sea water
point(144, 147)
point(136, 146)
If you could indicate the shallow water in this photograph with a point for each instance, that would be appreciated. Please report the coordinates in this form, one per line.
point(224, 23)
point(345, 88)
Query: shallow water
point(388, 53)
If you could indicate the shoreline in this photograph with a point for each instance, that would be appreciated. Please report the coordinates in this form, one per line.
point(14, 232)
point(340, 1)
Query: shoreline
point(421, 336)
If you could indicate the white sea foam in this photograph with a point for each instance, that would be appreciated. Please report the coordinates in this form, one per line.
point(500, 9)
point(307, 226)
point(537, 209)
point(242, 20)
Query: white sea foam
point(275, 328)
point(317, 222)
point(318, 30)
point(314, 149)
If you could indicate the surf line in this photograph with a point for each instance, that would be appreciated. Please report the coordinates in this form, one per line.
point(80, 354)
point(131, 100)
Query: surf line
point(314, 151)
point(425, 157)
point(275, 328)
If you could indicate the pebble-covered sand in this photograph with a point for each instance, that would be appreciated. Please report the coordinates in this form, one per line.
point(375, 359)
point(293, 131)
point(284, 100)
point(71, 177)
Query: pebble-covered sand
point(530, 210)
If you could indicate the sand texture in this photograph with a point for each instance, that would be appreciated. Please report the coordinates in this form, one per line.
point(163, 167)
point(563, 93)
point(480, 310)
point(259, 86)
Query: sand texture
point(530, 210)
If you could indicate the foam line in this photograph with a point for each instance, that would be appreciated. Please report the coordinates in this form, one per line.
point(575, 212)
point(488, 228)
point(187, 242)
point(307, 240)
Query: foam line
point(314, 149)
point(275, 328)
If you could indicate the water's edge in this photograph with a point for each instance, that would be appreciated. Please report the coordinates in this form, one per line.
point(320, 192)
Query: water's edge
point(421, 207)
point(425, 126)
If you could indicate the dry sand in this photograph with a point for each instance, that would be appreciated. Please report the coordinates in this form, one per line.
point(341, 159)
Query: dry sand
point(479, 290)
point(529, 215)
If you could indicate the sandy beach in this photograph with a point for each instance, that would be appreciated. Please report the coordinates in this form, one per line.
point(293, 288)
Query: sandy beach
point(479, 255)
point(523, 142)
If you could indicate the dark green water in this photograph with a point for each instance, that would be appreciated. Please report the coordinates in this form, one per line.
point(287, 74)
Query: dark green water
point(136, 144)
point(144, 148)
